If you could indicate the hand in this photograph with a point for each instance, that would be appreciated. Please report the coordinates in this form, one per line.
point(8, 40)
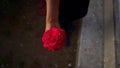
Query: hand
point(50, 25)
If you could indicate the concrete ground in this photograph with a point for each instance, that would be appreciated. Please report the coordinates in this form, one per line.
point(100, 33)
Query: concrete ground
point(99, 43)
point(91, 42)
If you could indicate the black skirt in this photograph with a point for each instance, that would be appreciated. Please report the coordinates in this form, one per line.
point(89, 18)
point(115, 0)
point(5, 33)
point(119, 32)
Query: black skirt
point(71, 10)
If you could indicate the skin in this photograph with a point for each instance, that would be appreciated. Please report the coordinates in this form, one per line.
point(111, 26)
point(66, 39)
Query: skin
point(52, 20)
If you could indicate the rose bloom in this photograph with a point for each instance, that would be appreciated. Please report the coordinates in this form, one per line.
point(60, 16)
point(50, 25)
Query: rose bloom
point(42, 12)
point(42, 3)
point(54, 39)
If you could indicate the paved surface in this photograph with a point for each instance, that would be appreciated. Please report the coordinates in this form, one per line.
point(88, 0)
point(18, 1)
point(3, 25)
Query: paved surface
point(117, 32)
point(100, 36)
point(91, 42)
point(109, 37)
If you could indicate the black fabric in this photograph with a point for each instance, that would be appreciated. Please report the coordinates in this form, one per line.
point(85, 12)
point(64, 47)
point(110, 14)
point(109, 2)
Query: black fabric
point(71, 10)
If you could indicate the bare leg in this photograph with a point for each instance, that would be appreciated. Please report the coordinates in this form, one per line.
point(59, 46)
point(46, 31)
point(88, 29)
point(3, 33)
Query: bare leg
point(52, 16)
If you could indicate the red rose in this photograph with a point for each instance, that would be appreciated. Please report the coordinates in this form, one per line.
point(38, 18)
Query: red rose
point(42, 3)
point(42, 12)
point(54, 39)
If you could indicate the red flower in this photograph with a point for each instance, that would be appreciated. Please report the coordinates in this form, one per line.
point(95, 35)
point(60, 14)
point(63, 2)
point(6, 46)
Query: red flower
point(54, 39)
point(42, 12)
point(41, 4)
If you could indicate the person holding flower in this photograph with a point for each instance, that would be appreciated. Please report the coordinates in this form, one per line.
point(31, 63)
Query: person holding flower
point(59, 14)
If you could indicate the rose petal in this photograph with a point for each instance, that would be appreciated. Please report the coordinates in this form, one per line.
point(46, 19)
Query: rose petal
point(54, 39)
point(42, 12)
point(42, 3)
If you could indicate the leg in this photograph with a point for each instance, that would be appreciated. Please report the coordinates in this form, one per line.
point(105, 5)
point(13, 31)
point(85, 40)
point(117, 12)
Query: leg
point(52, 15)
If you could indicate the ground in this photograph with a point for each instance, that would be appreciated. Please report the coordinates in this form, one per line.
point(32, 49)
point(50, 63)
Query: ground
point(21, 29)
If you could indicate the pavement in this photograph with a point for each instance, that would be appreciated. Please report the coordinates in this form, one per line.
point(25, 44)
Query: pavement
point(100, 35)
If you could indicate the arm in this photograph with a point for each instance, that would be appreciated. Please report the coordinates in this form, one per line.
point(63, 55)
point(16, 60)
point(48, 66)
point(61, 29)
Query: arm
point(52, 14)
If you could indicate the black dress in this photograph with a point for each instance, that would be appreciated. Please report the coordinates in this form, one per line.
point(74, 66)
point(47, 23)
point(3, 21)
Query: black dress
point(71, 10)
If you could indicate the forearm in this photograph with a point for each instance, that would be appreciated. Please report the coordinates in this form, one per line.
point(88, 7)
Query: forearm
point(52, 11)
